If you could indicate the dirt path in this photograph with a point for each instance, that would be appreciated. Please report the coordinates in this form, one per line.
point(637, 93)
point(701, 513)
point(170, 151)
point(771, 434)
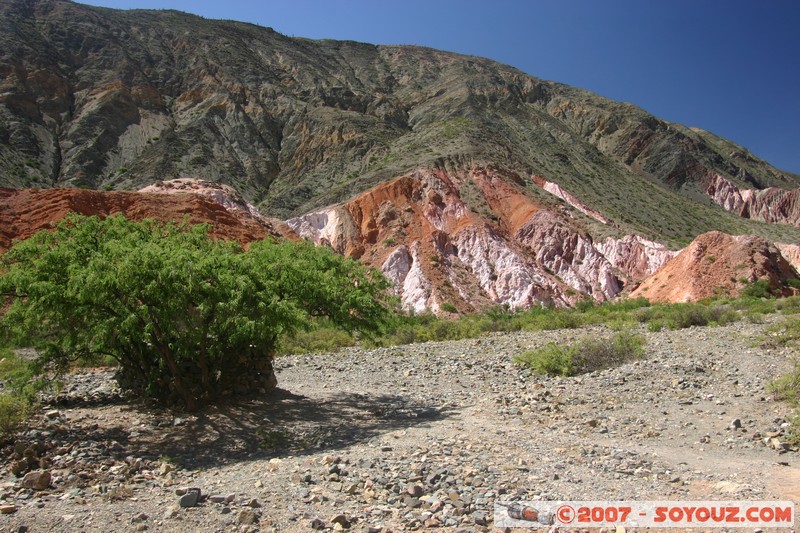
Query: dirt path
point(424, 436)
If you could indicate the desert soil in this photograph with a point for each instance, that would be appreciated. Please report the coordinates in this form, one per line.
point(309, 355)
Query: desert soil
point(417, 437)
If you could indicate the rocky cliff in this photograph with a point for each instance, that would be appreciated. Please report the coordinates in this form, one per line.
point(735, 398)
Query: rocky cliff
point(773, 205)
point(717, 264)
point(421, 233)
point(23, 212)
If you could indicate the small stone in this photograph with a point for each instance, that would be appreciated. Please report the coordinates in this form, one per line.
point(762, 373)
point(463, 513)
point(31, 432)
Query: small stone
point(736, 423)
point(253, 503)
point(479, 517)
point(341, 520)
point(247, 517)
point(217, 498)
point(190, 499)
point(775, 443)
point(55, 413)
point(37, 480)
point(318, 523)
point(8, 509)
point(141, 517)
point(411, 502)
point(415, 490)
point(165, 469)
point(172, 512)
point(436, 506)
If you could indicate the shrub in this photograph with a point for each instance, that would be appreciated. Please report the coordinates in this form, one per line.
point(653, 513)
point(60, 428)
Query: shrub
point(188, 318)
point(785, 333)
point(324, 339)
point(18, 391)
point(549, 360)
point(586, 355)
point(449, 308)
point(13, 411)
point(787, 388)
point(757, 289)
point(680, 316)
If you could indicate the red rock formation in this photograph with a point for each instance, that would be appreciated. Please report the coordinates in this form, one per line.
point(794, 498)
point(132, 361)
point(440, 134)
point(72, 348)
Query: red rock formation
point(421, 233)
point(23, 212)
point(772, 204)
point(717, 264)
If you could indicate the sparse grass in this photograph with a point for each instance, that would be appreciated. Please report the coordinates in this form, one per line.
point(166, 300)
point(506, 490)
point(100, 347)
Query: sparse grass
point(784, 333)
point(680, 316)
point(587, 355)
point(787, 388)
point(16, 375)
point(617, 316)
point(323, 339)
point(13, 411)
point(448, 308)
point(757, 289)
point(18, 391)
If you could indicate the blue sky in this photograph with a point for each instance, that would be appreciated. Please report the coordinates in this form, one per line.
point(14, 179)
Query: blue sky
point(728, 66)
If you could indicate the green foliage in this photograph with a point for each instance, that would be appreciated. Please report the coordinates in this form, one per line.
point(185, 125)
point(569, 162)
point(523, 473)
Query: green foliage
point(757, 289)
point(550, 360)
point(586, 355)
point(187, 317)
point(18, 391)
point(321, 339)
point(18, 376)
point(13, 411)
point(784, 333)
point(787, 388)
point(680, 316)
point(448, 308)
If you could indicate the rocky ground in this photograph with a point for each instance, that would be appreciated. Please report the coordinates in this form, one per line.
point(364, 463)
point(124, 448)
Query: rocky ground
point(413, 438)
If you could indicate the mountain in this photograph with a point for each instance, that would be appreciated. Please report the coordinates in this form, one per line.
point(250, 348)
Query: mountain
point(467, 181)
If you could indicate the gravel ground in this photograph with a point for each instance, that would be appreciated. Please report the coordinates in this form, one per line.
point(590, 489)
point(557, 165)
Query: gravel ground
point(417, 437)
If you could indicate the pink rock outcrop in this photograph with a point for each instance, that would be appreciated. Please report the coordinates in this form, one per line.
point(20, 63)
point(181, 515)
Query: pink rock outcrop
point(422, 234)
point(774, 205)
point(717, 264)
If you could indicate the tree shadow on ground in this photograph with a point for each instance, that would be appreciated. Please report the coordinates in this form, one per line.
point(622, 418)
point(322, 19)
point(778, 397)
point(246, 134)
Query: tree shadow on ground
point(278, 424)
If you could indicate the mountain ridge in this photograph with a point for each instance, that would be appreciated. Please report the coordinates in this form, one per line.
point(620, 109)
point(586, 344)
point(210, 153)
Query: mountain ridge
point(108, 99)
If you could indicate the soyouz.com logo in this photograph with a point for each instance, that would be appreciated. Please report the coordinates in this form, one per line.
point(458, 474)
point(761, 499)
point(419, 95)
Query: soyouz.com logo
point(644, 514)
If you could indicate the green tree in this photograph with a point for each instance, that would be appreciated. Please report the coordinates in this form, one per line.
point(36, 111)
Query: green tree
point(187, 317)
